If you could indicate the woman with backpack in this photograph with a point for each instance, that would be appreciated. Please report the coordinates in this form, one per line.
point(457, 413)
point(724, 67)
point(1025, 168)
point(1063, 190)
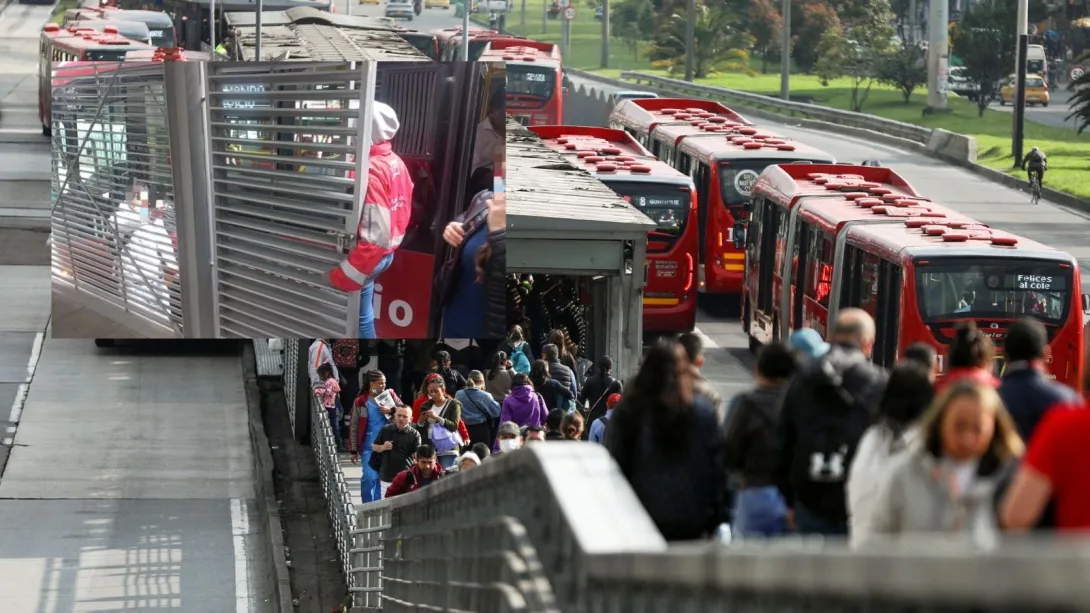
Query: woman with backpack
point(599, 387)
point(441, 423)
point(480, 411)
point(518, 351)
point(548, 388)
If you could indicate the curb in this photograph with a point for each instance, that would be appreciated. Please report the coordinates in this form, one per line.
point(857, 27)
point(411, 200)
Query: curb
point(266, 490)
point(1063, 199)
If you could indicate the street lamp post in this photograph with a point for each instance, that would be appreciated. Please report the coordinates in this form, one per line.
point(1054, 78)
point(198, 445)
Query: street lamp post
point(605, 34)
point(785, 52)
point(1018, 134)
point(690, 44)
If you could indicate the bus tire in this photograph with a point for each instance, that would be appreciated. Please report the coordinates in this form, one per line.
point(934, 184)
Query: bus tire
point(104, 343)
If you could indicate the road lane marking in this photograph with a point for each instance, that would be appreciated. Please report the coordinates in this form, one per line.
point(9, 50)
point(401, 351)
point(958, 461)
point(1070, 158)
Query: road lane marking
point(240, 527)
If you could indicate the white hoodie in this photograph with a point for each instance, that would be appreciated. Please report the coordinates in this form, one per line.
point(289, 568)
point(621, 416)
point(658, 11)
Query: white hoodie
point(874, 460)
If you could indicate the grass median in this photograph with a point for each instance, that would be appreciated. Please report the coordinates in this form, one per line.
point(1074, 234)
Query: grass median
point(61, 8)
point(1068, 152)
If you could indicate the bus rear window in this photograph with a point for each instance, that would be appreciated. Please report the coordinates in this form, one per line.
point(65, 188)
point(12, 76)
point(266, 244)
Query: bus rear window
point(536, 81)
point(975, 289)
point(666, 205)
point(737, 178)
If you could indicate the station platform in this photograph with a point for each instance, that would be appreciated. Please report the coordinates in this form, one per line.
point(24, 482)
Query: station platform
point(130, 484)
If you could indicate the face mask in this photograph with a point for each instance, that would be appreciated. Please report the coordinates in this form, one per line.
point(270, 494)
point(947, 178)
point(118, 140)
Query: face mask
point(509, 444)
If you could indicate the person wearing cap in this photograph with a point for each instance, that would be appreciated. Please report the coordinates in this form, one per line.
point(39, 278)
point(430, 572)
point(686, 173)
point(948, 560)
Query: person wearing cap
point(508, 438)
point(387, 208)
point(808, 344)
point(467, 461)
point(598, 426)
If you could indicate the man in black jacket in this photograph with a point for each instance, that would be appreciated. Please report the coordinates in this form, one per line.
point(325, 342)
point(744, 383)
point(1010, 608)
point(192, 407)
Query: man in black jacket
point(826, 408)
point(395, 445)
point(1026, 391)
point(558, 371)
point(596, 391)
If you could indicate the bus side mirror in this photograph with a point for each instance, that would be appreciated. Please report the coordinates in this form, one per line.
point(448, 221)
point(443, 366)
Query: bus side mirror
point(1086, 303)
point(739, 236)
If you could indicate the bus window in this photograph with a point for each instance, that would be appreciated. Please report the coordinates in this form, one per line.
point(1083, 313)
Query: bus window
point(888, 313)
point(781, 238)
point(849, 289)
point(819, 274)
point(954, 290)
point(685, 164)
point(867, 283)
point(660, 152)
point(802, 250)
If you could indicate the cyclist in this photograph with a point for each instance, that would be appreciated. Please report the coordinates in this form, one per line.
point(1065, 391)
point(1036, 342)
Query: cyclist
point(1038, 164)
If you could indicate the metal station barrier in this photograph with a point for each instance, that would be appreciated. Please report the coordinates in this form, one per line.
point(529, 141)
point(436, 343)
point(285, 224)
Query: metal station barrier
point(211, 199)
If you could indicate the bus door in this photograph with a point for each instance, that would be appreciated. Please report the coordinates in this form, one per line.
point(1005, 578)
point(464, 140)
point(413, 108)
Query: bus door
point(873, 284)
point(889, 313)
point(769, 219)
point(702, 176)
point(799, 261)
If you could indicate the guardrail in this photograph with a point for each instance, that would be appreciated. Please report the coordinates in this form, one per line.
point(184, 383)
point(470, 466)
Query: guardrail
point(899, 129)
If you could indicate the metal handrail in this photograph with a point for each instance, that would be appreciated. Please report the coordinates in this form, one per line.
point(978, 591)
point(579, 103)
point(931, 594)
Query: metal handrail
point(342, 513)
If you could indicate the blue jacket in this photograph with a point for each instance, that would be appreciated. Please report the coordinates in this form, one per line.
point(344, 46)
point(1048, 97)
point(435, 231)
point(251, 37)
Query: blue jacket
point(478, 406)
point(376, 420)
point(598, 428)
point(1028, 394)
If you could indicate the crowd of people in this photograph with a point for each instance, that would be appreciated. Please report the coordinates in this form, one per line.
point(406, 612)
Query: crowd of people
point(826, 442)
point(458, 418)
point(829, 443)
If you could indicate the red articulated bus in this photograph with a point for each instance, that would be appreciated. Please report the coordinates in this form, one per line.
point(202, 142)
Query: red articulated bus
point(660, 192)
point(535, 89)
point(724, 160)
point(160, 25)
point(799, 209)
point(640, 116)
point(426, 43)
point(75, 45)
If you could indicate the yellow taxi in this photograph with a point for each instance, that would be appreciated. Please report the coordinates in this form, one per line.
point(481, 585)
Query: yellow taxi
point(437, 4)
point(1036, 91)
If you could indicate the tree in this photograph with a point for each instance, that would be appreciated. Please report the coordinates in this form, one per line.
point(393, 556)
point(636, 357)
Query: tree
point(765, 24)
point(857, 53)
point(1080, 101)
point(810, 19)
point(633, 21)
point(905, 68)
point(718, 45)
point(984, 40)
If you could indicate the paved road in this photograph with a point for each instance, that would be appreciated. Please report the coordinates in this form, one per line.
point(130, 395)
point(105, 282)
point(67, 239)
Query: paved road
point(991, 203)
point(125, 476)
point(1055, 114)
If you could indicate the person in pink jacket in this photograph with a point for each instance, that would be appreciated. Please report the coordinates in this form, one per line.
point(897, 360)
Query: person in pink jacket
point(387, 207)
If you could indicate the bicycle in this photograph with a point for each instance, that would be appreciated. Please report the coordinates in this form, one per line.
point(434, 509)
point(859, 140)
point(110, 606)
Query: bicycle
point(1035, 188)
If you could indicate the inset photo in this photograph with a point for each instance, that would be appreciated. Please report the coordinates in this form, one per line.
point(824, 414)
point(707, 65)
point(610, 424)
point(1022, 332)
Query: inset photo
point(278, 199)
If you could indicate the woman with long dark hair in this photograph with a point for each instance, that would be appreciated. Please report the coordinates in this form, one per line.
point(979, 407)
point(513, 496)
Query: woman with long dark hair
point(498, 377)
point(545, 385)
point(908, 393)
point(669, 445)
point(567, 358)
point(971, 356)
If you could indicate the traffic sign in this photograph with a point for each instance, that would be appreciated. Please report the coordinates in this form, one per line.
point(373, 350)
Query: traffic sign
point(569, 13)
point(1077, 72)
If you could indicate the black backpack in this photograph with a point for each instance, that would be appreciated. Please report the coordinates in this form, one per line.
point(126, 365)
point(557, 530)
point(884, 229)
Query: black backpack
point(828, 436)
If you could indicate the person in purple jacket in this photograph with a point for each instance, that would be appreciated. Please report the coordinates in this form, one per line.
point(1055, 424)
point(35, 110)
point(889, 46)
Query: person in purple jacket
point(523, 405)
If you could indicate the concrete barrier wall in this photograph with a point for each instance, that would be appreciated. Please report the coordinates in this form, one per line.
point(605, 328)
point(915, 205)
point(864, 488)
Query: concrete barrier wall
point(950, 147)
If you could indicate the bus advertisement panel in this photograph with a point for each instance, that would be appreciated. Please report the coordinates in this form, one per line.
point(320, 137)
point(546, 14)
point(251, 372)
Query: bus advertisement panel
point(659, 191)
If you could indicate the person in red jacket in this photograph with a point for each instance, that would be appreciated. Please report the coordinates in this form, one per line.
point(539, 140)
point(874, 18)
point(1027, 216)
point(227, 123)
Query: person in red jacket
point(424, 471)
point(387, 207)
point(971, 355)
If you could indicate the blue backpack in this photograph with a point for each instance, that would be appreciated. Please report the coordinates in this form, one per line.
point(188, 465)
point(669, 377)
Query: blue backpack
point(519, 361)
point(565, 403)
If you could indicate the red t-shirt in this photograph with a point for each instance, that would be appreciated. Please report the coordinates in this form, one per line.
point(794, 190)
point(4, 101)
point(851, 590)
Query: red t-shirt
point(1059, 450)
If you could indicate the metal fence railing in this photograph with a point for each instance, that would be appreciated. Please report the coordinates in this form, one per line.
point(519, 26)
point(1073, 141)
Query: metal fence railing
point(342, 513)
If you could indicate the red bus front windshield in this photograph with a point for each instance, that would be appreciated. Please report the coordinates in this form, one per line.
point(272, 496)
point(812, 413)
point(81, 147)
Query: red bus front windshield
point(736, 180)
point(666, 205)
point(975, 289)
point(532, 87)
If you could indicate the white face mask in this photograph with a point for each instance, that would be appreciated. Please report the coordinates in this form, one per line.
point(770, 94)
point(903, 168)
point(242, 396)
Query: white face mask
point(509, 444)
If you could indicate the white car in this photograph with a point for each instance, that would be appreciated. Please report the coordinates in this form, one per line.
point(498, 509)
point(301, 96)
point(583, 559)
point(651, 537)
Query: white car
point(632, 95)
point(400, 9)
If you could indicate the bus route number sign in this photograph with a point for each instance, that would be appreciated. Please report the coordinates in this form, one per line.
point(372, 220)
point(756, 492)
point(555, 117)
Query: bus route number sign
point(1034, 282)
